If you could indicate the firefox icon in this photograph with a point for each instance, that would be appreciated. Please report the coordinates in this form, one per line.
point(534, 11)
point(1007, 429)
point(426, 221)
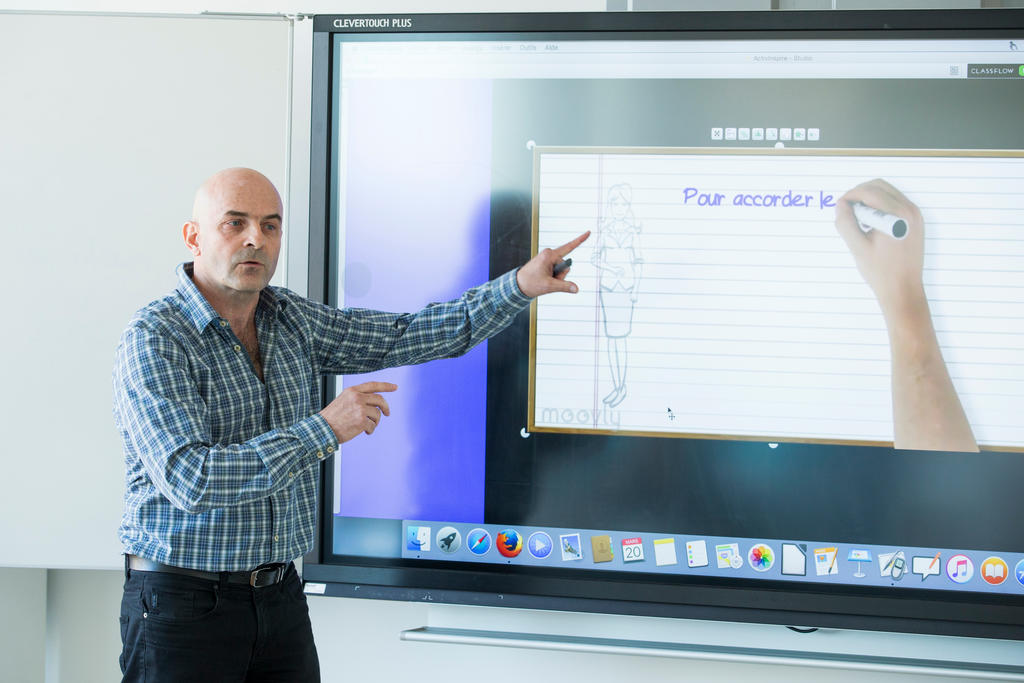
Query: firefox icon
point(509, 542)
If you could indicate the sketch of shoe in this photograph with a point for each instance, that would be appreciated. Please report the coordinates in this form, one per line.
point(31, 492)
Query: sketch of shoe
point(620, 396)
point(612, 395)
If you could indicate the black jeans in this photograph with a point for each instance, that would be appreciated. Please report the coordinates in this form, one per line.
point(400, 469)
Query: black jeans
point(180, 628)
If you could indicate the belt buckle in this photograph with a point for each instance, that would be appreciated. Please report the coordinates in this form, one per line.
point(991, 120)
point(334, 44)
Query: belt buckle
point(254, 577)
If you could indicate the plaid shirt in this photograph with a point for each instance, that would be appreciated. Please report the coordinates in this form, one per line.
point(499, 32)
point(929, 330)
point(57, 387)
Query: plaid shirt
point(221, 467)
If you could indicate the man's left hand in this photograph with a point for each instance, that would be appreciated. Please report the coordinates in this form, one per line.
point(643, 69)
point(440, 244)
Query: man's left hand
point(535, 277)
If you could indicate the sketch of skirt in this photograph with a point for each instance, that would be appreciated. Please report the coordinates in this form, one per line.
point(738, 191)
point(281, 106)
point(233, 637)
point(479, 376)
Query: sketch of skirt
point(617, 309)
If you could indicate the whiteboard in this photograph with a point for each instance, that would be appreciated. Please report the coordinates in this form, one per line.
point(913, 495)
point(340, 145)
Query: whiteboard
point(109, 124)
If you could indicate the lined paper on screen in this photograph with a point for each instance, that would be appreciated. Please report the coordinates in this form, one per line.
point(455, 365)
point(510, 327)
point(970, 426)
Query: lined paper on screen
point(751, 321)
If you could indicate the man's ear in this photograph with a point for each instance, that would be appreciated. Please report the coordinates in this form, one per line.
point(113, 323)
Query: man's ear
point(190, 231)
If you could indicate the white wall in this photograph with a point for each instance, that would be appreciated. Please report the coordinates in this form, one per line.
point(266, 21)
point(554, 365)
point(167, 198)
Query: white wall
point(360, 640)
point(83, 639)
point(22, 624)
point(308, 7)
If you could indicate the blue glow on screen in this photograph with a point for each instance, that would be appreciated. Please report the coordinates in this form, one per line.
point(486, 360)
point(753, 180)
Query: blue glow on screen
point(417, 217)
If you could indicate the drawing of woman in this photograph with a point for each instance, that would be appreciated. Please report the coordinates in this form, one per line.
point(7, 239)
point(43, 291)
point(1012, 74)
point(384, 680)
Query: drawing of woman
point(618, 259)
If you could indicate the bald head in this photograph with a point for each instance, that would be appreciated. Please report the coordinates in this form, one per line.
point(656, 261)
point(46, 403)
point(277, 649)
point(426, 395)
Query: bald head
point(232, 182)
point(234, 234)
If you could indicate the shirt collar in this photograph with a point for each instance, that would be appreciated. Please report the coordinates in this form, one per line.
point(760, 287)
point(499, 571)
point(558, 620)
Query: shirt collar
point(199, 310)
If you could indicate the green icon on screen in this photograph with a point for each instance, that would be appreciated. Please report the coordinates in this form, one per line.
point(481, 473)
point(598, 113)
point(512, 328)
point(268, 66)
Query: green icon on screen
point(1021, 70)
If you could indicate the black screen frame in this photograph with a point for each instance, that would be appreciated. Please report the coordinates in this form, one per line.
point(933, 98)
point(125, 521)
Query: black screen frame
point(776, 602)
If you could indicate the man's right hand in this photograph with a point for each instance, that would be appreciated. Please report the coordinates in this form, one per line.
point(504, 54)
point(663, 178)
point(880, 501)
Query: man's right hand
point(357, 410)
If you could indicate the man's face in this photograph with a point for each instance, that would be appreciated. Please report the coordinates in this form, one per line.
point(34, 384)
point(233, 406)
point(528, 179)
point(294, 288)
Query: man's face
point(237, 232)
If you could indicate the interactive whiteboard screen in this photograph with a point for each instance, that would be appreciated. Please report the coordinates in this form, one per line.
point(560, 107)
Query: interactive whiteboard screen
point(720, 300)
point(767, 400)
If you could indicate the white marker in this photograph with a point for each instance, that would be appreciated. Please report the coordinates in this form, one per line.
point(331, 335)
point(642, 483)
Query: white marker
point(874, 219)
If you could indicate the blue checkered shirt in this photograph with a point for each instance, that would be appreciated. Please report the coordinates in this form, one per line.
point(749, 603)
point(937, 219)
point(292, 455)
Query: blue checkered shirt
point(222, 468)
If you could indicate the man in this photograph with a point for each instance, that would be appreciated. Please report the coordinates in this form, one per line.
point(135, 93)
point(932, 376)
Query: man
point(216, 391)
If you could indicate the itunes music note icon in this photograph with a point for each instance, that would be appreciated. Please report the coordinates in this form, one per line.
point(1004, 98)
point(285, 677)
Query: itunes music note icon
point(960, 569)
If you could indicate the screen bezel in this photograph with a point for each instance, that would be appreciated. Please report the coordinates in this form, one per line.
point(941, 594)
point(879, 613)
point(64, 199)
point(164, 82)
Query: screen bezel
point(839, 606)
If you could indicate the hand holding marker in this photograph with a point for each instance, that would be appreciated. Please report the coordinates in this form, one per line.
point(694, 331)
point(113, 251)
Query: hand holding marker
point(927, 414)
point(875, 219)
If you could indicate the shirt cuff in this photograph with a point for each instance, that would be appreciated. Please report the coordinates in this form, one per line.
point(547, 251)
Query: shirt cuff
point(316, 436)
point(509, 294)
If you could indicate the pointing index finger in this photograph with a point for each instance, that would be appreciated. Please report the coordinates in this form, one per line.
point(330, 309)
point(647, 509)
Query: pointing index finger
point(374, 387)
point(569, 246)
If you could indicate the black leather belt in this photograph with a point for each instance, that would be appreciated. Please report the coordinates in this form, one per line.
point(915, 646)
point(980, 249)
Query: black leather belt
point(266, 575)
